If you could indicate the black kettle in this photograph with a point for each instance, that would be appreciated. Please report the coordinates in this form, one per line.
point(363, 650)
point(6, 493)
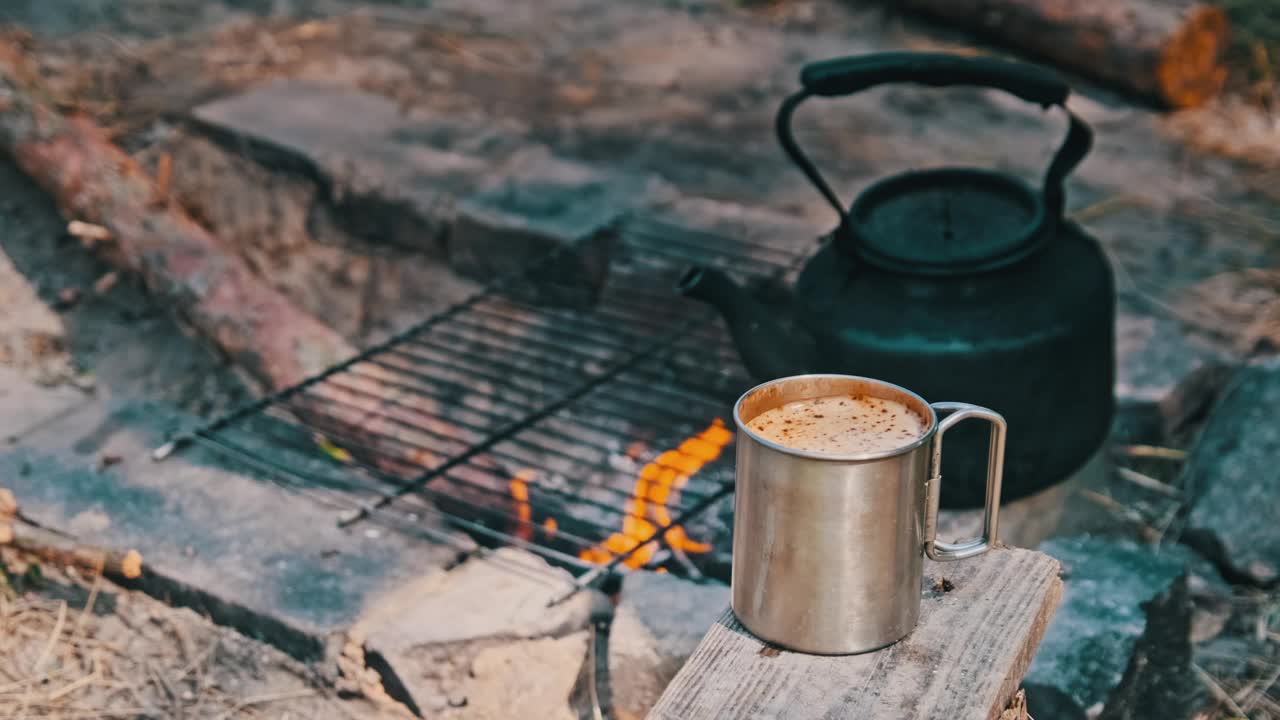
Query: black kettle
point(959, 283)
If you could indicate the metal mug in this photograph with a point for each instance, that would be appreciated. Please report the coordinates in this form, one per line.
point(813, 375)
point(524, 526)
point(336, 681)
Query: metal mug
point(827, 549)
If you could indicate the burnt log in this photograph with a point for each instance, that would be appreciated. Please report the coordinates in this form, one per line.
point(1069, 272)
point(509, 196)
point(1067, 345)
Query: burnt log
point(187, 268)
point(1167, 51)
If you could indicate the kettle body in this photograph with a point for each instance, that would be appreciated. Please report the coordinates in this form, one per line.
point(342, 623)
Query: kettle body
point(960, 283)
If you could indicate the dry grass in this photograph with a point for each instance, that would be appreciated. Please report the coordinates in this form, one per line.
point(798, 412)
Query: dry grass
point(56, 663)
point(1255, 694)
point(1245, 123)
point(1235, 126)
point(1242, 307)
point(1245, 683)
point(85, 649)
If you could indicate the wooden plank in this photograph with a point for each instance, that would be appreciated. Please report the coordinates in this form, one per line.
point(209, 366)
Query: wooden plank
point(963, 661)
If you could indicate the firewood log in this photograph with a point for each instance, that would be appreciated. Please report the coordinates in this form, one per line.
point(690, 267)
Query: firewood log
point(20, 533)
point(1167, 51)
point(60, 549)
point(121, 211)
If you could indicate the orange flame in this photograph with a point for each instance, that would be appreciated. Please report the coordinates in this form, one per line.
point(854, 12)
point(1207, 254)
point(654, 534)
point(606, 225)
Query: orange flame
point(659, 482)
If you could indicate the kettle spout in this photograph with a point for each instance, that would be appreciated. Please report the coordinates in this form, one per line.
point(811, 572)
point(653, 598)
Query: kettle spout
point(768, 348)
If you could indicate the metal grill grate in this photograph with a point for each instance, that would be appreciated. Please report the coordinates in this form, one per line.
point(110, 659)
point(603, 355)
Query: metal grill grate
point(526, 425)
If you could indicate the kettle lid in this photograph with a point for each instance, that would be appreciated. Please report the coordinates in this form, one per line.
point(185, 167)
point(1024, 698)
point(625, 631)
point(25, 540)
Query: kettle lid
point(946, 221)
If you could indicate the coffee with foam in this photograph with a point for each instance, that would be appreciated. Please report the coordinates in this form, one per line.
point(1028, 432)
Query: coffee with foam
point(841, 425)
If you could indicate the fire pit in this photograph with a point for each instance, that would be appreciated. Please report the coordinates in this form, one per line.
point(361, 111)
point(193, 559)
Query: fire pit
point(593, 437)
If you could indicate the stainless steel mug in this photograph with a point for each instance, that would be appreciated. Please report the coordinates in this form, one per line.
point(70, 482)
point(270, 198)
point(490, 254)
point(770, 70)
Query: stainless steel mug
point(827, 548)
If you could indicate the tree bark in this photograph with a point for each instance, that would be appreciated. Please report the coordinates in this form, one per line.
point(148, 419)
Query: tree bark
point(1167, 51)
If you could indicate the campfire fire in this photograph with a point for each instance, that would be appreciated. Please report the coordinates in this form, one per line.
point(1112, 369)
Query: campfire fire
point(657, 487)
point(658, 483)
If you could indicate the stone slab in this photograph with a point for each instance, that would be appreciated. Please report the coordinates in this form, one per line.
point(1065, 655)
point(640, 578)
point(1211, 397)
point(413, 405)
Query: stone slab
point(482, 638)
point(394, 177)
point(249, 553)
point(26, 406)
point(476, 192)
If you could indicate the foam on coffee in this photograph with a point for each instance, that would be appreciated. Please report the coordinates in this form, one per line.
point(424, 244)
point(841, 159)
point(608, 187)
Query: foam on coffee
point(840, 424)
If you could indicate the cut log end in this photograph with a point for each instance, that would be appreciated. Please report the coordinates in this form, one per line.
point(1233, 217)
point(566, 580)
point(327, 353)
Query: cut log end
point(8, 503)
point(131, 565)
point(1191, 71)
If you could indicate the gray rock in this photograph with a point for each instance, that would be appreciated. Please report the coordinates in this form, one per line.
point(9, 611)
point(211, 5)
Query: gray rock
point(1158, 681)
point(454, 633)
point(247, 553)
point(528, 678)
point(1233, 481)
point(659, 622)
point(478, 193)
point(1107, 607)
point(1164, 377)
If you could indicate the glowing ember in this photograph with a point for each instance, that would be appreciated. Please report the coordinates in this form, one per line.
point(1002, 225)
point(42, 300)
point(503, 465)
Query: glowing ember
point(659, 484)
point(423, 459)
point(520, 493)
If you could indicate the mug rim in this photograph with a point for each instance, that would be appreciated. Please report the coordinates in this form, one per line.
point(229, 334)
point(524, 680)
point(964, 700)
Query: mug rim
point(835, 457)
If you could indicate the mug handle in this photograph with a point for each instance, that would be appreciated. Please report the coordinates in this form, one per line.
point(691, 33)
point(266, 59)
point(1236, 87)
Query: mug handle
point(943, 551)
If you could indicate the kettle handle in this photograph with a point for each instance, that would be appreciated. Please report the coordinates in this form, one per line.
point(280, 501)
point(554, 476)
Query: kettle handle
point(848, 75)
